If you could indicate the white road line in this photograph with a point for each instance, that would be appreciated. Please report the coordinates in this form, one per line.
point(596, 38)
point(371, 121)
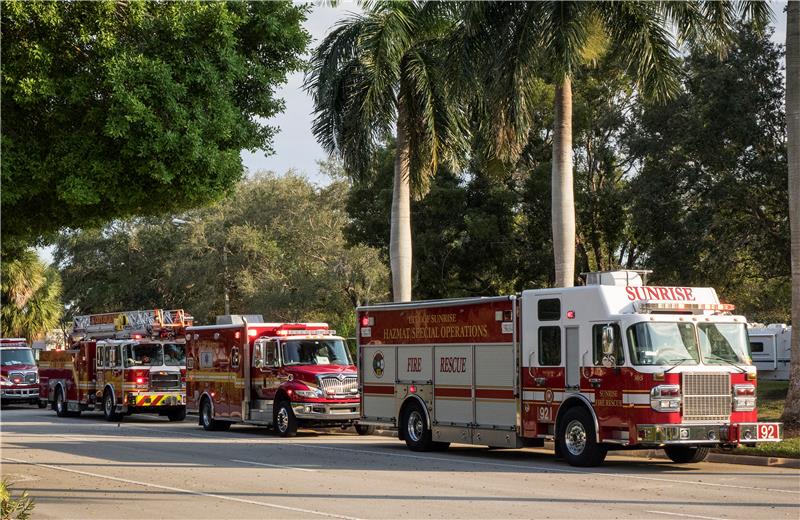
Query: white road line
point(686, 516)
point(545, 468)
point(181, 490)
point(272, 465)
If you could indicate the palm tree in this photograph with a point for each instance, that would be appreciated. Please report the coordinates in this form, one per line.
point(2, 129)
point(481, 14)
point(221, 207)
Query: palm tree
point(31, 297)
point(516, 41)
point(791, 411)
point(378, 74)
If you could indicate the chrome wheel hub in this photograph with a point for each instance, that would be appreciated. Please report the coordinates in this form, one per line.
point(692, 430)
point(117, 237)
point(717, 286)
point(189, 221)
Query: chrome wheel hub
point(575, 437)
point(109, 405)
point(415, 426)
point(282, 420)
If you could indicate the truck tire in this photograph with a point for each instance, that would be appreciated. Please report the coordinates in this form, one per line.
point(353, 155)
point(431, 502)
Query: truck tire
point(415, 430)
point(577, 439)
point(177, 415)
point(109, 407)
point(363, 429)
point(60, 404)
point(687, 454)
point(207, 418)
point(285, 422)
point(42, 404)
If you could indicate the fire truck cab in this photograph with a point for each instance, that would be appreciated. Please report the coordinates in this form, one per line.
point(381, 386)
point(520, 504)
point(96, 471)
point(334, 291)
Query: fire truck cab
point(614, 364)
point(19, 376)
point(243, 370)
point(121, 363)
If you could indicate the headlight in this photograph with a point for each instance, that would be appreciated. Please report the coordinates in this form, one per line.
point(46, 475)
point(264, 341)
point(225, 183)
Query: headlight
point(5, 382)
point(311, 392)
point(665, 398)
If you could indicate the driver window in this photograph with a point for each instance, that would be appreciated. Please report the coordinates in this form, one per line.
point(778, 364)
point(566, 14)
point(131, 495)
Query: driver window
point(271, 354)
point(258, 355)
point(99, 361)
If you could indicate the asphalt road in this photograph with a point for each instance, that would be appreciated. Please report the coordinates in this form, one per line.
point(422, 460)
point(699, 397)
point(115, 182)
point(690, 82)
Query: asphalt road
point(149, 468)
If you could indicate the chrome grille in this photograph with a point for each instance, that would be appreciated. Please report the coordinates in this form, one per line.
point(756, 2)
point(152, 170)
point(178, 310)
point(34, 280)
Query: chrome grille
point(165, 381)
point(706, 396)
point(339, 385)
point(28, 378)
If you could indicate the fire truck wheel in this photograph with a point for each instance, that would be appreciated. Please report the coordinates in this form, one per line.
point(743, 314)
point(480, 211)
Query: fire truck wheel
point(687, 454)
point(42, 404)
point(109, 408)
point(207, 418)
point(363, 429)
point(285, 422)
point(60, 405)
point(577, 440)
point(177, 415)
point(416, 431)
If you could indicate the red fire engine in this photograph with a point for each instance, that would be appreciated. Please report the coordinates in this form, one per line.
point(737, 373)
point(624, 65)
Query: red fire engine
point(243, 370)
point(615, 364)
point(19, 377)
point(122, 362)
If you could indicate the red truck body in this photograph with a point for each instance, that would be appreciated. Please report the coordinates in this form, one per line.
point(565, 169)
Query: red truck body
point(270, 374)
point(19, 375)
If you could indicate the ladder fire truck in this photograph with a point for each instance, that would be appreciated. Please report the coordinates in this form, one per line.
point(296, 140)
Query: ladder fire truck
point(614, 364)
point(243, 370)
point(120, 362)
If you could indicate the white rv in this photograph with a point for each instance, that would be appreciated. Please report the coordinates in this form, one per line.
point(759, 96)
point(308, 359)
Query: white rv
point(770, 347)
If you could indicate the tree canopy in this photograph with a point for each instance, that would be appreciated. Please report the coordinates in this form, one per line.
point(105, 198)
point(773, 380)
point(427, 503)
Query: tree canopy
point(30, 299)
point(114, 109)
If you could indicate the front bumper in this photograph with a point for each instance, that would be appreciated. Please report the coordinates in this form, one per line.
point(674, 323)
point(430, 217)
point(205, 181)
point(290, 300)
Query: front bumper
point(141, 400)
point(327, 411)
point(20, 394)
point(711, 434)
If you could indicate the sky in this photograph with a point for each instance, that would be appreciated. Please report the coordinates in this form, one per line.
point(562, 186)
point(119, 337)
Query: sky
point(295, 146)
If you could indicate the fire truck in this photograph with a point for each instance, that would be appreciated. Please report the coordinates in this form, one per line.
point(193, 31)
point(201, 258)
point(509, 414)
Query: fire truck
point(613, 364)
point(19, 377)
point(284, 375)
point(121, 363)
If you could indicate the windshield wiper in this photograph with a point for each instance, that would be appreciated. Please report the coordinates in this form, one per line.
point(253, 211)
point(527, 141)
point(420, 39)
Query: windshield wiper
point(679, 363)
point(731, 363)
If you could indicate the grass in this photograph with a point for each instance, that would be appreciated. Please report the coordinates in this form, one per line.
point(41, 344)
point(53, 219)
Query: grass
point(771, 395)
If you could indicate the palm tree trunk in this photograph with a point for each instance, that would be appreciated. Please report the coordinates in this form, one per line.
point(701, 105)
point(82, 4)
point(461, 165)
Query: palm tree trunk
point(791, 410)
point(562, 189)
point(400, 239)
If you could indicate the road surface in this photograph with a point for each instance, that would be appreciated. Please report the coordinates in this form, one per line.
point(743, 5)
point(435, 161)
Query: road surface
point(147, 467)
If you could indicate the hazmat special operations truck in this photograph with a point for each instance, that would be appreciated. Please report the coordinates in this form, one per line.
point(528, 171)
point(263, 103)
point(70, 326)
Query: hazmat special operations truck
point(614, 364)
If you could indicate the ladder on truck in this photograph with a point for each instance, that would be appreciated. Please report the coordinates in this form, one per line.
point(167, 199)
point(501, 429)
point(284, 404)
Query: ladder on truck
point(153, 323)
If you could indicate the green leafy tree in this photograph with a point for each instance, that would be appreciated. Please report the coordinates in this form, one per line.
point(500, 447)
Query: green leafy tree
point(379, 74)
point(114, 109)
point(31, 297)
point(709, 202)
point(274, 247)
point(515, 43)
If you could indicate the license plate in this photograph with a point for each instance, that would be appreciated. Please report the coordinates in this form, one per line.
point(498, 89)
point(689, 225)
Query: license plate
point(768, 432)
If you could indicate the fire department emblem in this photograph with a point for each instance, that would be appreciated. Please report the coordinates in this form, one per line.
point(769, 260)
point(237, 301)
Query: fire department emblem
point(548, 396)
point(378, 364)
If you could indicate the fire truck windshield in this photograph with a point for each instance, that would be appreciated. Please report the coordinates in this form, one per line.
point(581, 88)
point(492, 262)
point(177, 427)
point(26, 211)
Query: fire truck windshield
point(662, 343)
point(315, 352)
point(724, 343)
point(147, 354)
point(16, 356)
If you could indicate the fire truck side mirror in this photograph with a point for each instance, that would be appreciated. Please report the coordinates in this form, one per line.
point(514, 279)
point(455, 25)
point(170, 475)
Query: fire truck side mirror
point(608, 340)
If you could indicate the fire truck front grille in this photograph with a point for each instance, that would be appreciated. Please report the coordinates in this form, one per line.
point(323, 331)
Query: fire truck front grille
point(28, 378)
point(166, 381)
point(347, 385)
point(706, 396)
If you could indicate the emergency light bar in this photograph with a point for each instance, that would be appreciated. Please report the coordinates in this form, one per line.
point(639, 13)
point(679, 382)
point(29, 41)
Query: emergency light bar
point(300, 332)
point(647, 307)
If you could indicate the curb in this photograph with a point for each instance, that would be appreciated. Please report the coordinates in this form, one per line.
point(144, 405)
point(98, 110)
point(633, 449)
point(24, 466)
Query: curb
point(721, 458)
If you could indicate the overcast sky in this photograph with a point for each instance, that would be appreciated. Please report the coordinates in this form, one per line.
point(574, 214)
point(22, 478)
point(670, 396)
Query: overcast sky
point(295, 146)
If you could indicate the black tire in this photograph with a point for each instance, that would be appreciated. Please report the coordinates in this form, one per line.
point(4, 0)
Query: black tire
point(416, 432)
point(41, 404)
point(109, 407)
point(60, 404)
point(207, 420)
point(284, 420)
point(577, 440)
point(363, 429)
point(177, 415)
point(687, 454)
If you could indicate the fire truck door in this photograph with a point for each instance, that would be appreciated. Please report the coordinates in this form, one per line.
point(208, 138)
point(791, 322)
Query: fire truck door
point(573, 360)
